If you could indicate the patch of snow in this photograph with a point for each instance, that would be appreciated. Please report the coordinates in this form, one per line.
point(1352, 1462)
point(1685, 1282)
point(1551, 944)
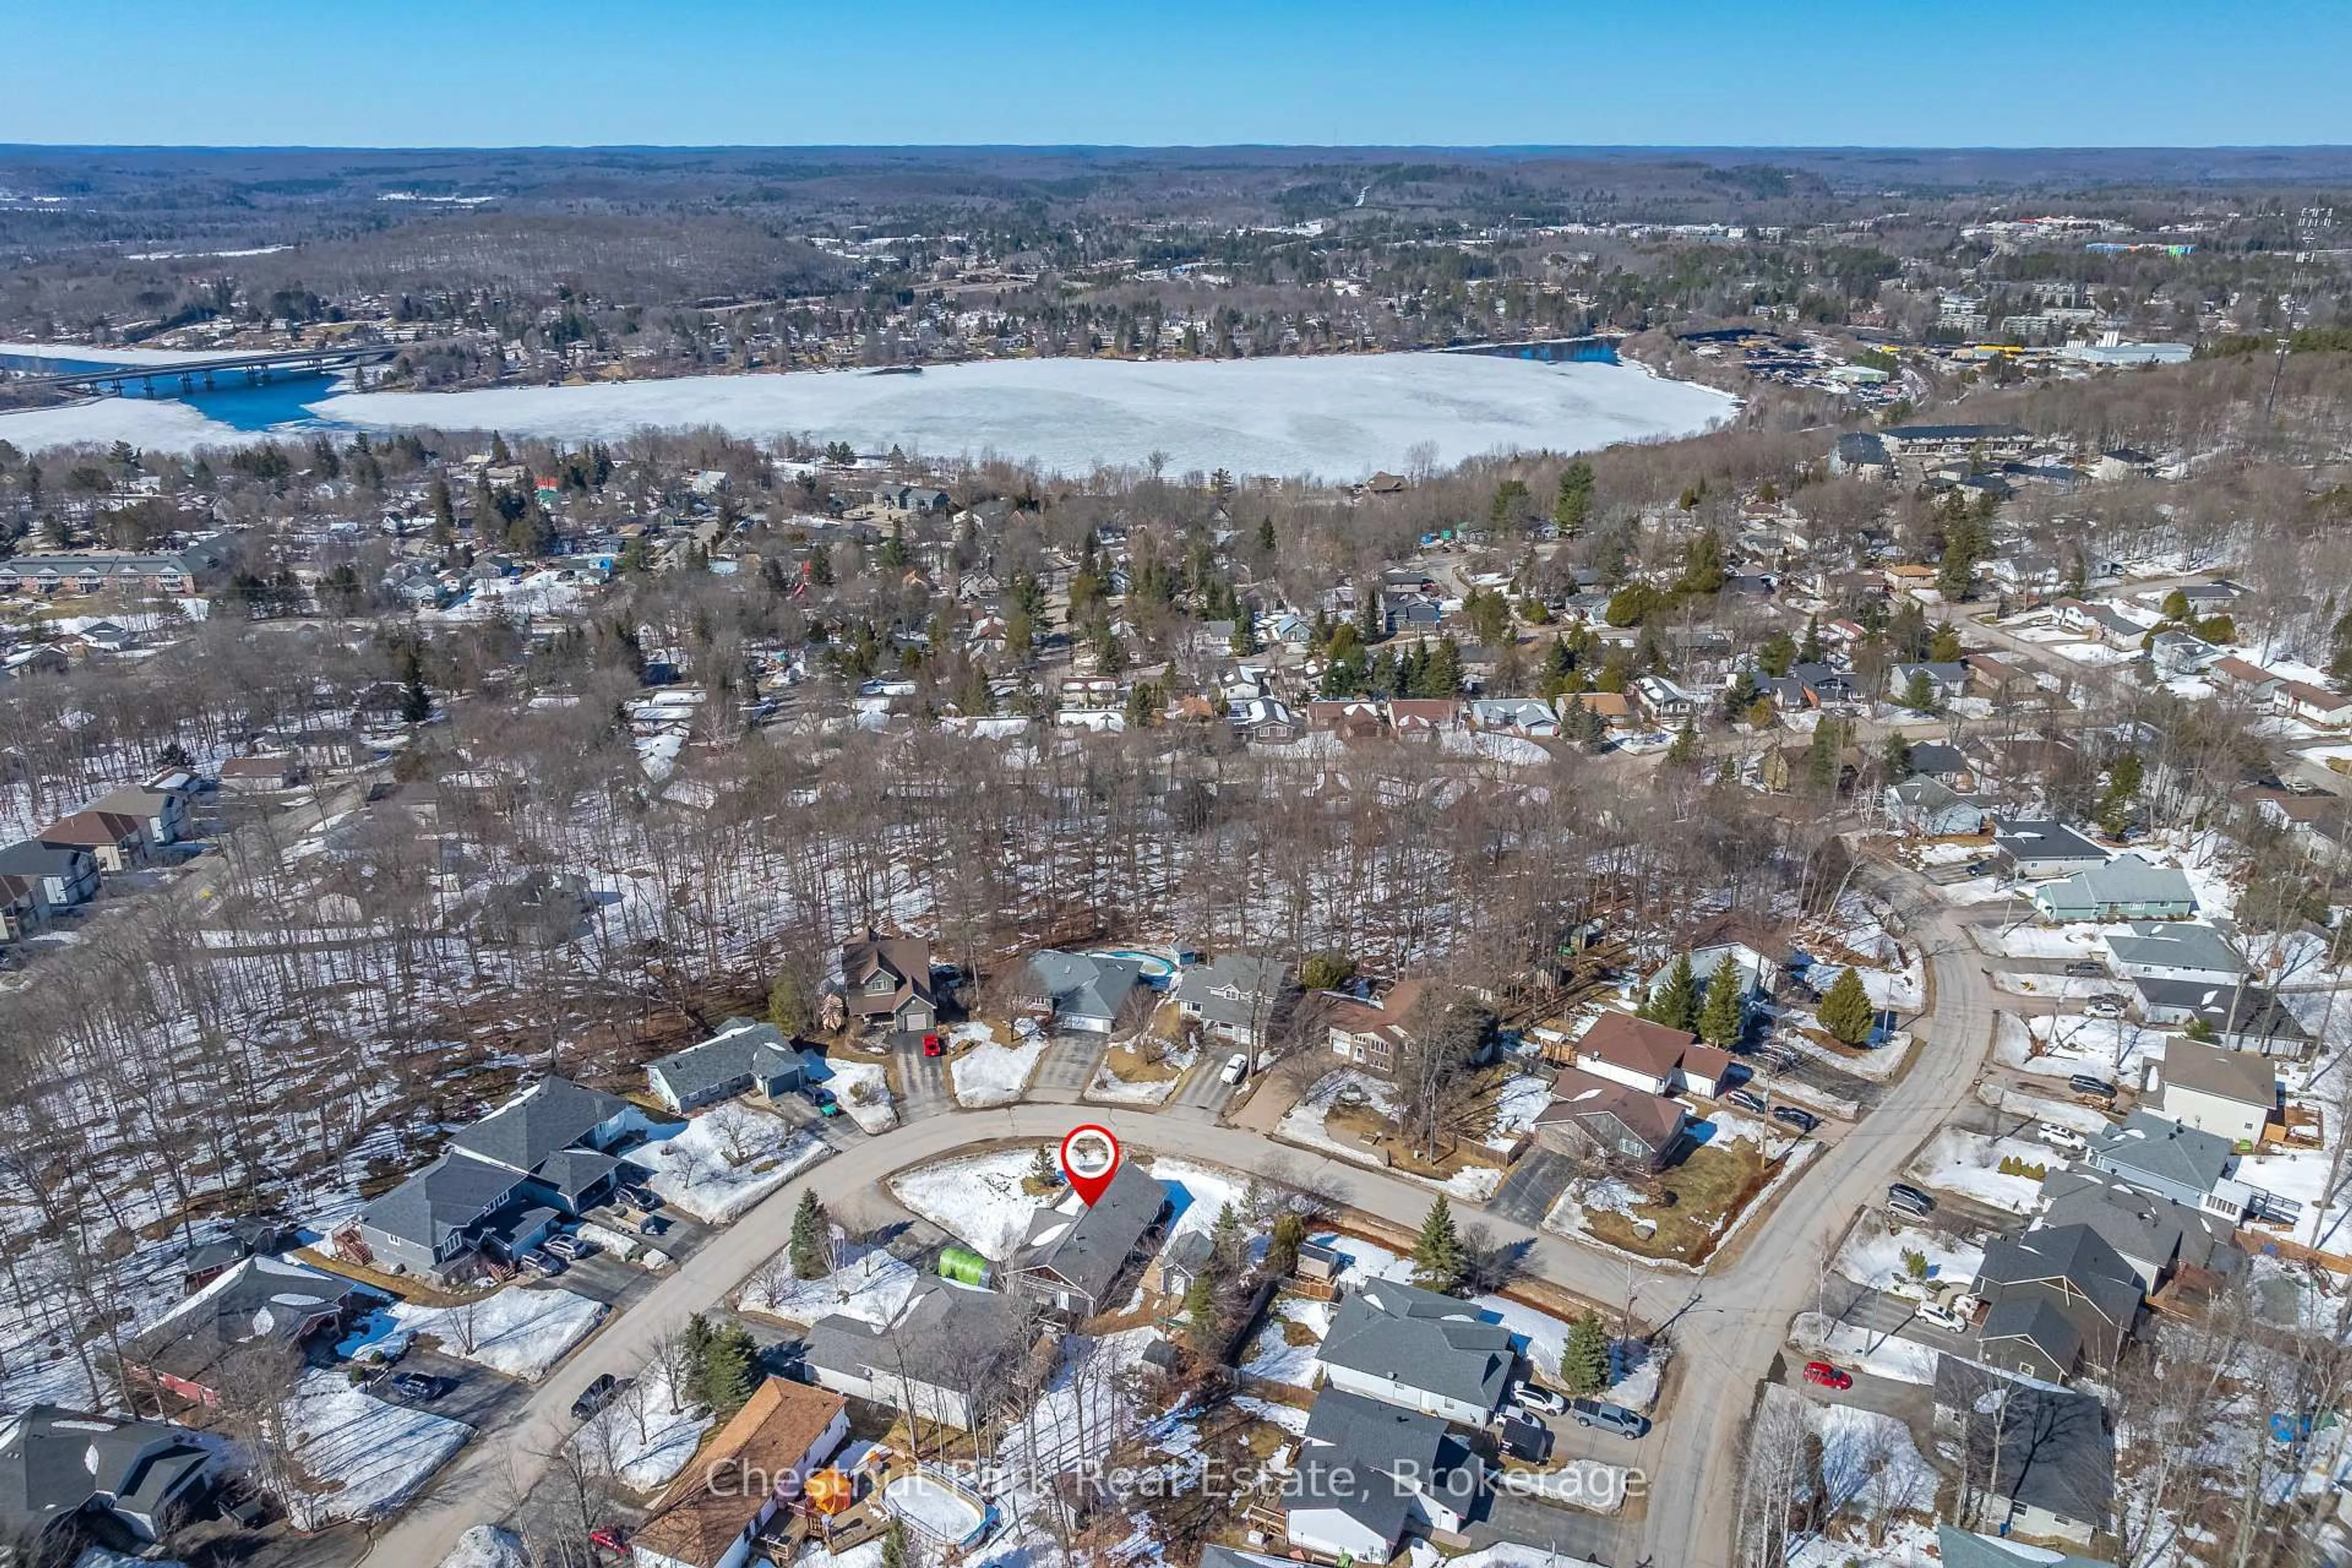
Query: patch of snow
point(520, 1331)
point(722, 1162)
point(992, 1074)
point(646, 1436)
point(354, 1456)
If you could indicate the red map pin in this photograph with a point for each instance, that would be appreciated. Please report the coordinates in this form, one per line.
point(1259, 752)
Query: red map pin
point(1089, 1159)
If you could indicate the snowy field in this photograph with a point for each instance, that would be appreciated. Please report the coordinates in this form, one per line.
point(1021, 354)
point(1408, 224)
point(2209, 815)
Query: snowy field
point(1968, 1163)
point(520, 1332)
point(977, 1200)
point(989, 1073)
point(726, 1159)
point(1336, 416)
point(870, 1286)
point(357, 1457)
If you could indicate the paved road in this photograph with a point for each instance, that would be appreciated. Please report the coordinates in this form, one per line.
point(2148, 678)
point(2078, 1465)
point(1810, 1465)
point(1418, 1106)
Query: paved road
point(1726, 1325)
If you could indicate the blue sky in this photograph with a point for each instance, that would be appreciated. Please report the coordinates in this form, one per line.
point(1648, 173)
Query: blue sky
point(702, 72)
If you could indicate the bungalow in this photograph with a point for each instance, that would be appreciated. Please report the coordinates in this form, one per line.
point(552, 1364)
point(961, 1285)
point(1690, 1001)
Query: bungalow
point(1989, 676)
point(885, 981)
point(1613, 709)
point(1233, 997)
point(2314, 704)
point(921, 1359)
point(2175, 951)
point(501, 1186)
point(1423, 716)
point(753, 1469)
point(1528, 716)
point(259, 1306)
point(71, 1481)
point(2037, 851)
point(260, 776)
point(1664, 701)
point(2246, 682)
point(163, 814)
point(1927, 808)
point(2177, 654)
point(1076, 1253)
point(1945, 681)
point(61, 875)
point(2103, 622)
point(117, 842)
point(1943, 763)
point(2237, 1015)
point(2056, 1297)
point(2159, 1155)
point(2127, 888)
point(1085, 991)
point(2041, 1461)
point(1821, 686)
point(1370, 1029)
point(1369, 1473)
point(2230, 1094)
point(22, 907)
point(1417, 1349)
point(1651, 1057)
point(745, 1057)
point(1619, 1123)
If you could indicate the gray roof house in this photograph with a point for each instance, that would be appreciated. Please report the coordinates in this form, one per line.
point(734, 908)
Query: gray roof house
point(2056, 1297)
point(1965, 1549)
point(259, 1301)
point(2176, 949)
point(1235, 995)
point(2154, 1235)
point(2159, 1155)
point(2241, 1016)
point(2126, 887)
point(1085, 991)
point(923, 1361)
point(1415, 1347)
point(1933, 809)
point(1072, 1260)
point(2230, 1094)
point(2040, 1461)
point(71, 1480)
point(1368, 1473)
point(744, 1056)
point(1945, 681)
point(500, 1186)
point(2038, 850)
point(62, 875)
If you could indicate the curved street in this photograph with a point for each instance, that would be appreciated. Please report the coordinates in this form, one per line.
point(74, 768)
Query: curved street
point(1725, 1324)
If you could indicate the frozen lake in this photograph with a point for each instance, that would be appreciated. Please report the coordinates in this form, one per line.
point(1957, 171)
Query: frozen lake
point(1336, 417)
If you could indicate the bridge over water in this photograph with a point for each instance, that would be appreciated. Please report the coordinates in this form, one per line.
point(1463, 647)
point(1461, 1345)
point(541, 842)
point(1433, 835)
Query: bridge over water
point(185, 377)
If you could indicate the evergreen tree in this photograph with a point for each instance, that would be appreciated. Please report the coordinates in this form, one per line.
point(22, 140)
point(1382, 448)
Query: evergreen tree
point(1372, 627)
point(730, 1369)
point(416, 701)
point(1897, 756)
point(788, 1008)
point(1266, 535)
point(1809, 650)
point(1683, 754)
point(812, 1245)
point(1439, 1259)
point(1227, 1245)
point(1573, 503)
point(1584, 1359)
point(1920, 692)
point(1846, 1012)
point(1282, 1247)
point(1675, 1003)
point(1200, 1312)
point(894, 1545)
point(1725, 1017)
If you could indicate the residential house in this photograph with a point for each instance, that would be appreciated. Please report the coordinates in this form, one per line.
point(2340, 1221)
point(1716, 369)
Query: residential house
point(2177, 655)
point(2056, 1297)
point(1821, 685)
point(2230, 1094)
point(500, 1187)
point(22, 907)
point(2155, 1236)
point(1943, 763)
point(1652, 1058)
point(1076, 1253)
point(1266, 720)
point(2237, 1015)
point(920, 1360)
point(1528, 716)
point(753, 1469)
point(161, 814)
point(2103, 621)
point(1367, 1474)
point(2175, 950)
point(886, 981)
point(1090, 992)
point(1993, 676)
point(1233, 997)
point(2127, 888)
point(1945, 681)
point(1423, 717)
point(745, 1057)
point(2329, 709)
point(260, 776)
point(2037, 851)
point(1370, 1029)
point(1786, 768)
point(1965, 1549)
point(2028, 573)
point(1930, 809)
point(2246, 682)
point(1862, 454)
point(72, 1483)
point(1620, 1123)
point(117, 842)
point(61, 875)
point(2041, 1461)
point(255, 1310)
point(2158, 1154)
point(26, 663)
point(1419, 1349)
point(1664, 701)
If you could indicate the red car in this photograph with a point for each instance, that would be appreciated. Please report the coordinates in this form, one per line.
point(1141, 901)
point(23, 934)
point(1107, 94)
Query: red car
point(934, 1046)
point(1828, 1376)
point(611, 1538)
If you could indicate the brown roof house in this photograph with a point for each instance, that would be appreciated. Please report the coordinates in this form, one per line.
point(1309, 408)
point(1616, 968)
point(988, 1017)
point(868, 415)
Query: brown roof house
point(1598, 1115)
point(755, 1467)
point(1370, 1030)
point(886, 981)
point(117, 841)
point(1650, 1056)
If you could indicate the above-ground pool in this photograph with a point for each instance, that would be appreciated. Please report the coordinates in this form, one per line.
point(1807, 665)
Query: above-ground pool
point(938, 1508)
point(1156, 967)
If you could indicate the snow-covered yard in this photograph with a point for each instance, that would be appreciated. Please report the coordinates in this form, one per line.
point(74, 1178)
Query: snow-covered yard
point(727, 1159)
point(2060, 1046)
point(870, 1286)
point(522, 1331)
point(1284, 1350)
point(1873, 1255)
point(646, 1436)
point(354, 1456)
point(979, 1199)
point(1858, 1348)
point(987, 1073)
point(1304, 1123)
point(1967, 1163)
point(1517, 1105)
point(864, 1090)
point(482, 1546)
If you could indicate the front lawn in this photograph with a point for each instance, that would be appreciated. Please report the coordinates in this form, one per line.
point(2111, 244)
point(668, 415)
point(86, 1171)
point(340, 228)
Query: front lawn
point(1691, 1204)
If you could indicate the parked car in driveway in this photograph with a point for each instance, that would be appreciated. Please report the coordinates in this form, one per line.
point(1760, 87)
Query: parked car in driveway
point(643, 1197)
point(539, 1262)
point(1823, 1374)
point(1941, 1317)
point(418, 1386)
point(1911, 1200)
point(1236, 1068)
point(1749, 1100)
point(1627, 1423)
point(603, 1391)
point(611, 1538)
point(2104, 1007)
point(1529, 1397)
point(823, 1099)
point(570, 1248)
point(2090, 1087)
point(1792, 1115)
point(934, 1046)
point(2087, 969)
point(2057, 1137)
